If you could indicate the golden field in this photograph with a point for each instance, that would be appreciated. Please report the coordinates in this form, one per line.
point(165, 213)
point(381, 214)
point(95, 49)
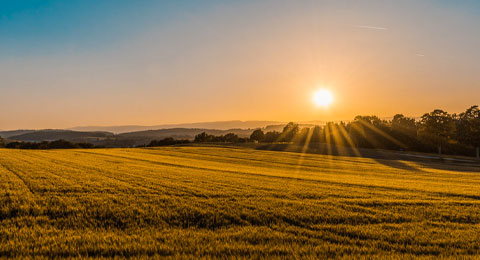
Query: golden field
point(217, 202)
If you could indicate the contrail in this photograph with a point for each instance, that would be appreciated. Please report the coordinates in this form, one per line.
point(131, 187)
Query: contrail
point(371, 27)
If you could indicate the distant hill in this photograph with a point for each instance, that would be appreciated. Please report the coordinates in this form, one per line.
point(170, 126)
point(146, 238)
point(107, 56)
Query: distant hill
point(51, 135)
point(120, 140)
point(7, 134)
point(220, 125)
point(182, 133)
point(138, 138)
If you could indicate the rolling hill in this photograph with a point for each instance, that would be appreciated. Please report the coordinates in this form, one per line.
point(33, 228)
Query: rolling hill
point(187, 133)
point(220, 125)
point(8, 134)
point(51, 135)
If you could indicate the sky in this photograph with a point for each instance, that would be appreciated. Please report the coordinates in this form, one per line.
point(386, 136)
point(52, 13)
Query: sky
point(118, 62)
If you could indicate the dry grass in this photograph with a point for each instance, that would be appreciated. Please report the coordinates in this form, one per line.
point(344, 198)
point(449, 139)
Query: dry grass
point(194, 202)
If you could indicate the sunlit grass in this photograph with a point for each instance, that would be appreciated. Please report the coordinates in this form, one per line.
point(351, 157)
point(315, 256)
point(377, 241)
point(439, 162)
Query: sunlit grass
point(225, 201)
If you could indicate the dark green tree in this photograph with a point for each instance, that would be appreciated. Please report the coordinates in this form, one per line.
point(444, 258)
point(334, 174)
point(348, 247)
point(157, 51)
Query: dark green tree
point(437, 127)
point(231, 138)
point(317, 135)
point(271, 137)
point(372, 120)
point(289, 132)
point(203, 137)
point(404, 125)
point(468, 128)
point(368, 132)
point(257, 135)
point(303, 136)
point(404, 129)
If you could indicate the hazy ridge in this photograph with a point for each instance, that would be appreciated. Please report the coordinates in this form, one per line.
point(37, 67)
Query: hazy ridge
point(220, 125)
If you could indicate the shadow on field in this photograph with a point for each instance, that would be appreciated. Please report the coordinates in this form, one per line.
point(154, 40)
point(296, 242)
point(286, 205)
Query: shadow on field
point(394, 163)
point(388, 158)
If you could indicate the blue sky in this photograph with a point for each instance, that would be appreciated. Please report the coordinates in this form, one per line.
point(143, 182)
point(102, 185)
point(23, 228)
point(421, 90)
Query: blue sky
point(29, 27)
point(69, 63)
point(41, 26)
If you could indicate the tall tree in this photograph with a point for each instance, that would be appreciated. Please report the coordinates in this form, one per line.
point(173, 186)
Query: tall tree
point(257, 135)
point(303, 136)
point(468, 128)
point(271, 137)
point(289, 131)
point(317, 135)
point(231, 138)
point(404, 129)
point(404, 124)
point(203, 137)
point(437, 127)
point(370, 132)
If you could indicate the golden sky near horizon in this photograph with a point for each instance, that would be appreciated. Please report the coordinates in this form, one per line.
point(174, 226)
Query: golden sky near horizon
point(238, 61)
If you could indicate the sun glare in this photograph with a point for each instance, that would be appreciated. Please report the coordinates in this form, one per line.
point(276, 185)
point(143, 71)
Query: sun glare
point(322, 98)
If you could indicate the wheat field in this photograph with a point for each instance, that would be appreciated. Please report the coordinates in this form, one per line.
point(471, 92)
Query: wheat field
point(216, 202)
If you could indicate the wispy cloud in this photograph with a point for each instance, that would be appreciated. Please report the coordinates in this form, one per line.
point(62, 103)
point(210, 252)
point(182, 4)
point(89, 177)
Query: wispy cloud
point(420, 55)
point(371, 27)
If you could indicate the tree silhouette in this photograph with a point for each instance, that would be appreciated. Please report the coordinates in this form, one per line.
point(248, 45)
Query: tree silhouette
point(271, 137)
point(203, 137)
point(404, 125)
point(230, 138)
point(437, 127)
point(404, 129)
point(468, 128)
point(369, 132)
point(317, 135)
point(257, 135)
point(289, 132)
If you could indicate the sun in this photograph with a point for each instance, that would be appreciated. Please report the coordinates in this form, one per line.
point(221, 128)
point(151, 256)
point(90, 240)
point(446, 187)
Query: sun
point(322, 98)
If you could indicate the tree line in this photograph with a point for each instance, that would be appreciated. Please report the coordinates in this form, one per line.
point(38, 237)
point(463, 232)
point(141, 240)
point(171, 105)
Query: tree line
point(436, 131)
point(58, 144)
